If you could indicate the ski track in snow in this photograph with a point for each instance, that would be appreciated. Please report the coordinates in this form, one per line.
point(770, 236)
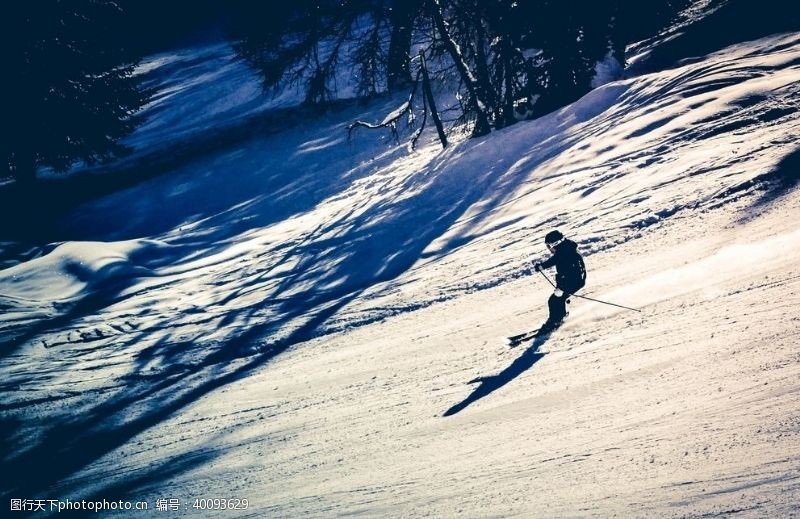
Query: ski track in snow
point(287, 319)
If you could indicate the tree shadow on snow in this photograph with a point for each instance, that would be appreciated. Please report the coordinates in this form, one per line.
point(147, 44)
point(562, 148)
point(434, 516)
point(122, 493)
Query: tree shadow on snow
point(490, 384)
point(34, 216)
point(54, 440)
point(260, 303)
point(40, 458)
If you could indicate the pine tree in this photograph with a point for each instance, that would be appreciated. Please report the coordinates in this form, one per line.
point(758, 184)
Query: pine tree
point(304, 43)
point(70, 90)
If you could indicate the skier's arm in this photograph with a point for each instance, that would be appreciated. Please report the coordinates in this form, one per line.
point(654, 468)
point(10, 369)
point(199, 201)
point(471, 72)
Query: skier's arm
point(549, 262)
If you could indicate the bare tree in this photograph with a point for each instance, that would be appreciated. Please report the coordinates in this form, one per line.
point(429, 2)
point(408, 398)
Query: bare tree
point(477, 95)
point(494, 54)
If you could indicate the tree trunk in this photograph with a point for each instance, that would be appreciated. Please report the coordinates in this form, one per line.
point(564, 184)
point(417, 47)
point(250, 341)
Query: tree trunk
point(473, 88)
point(398, 74)
point(428, 92)
point(508, 75)
point(482, 70)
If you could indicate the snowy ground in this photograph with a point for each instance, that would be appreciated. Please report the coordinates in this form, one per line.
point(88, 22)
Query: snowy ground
point(289, 317)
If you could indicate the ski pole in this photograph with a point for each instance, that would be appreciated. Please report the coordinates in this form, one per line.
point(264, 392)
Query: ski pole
point(607, 303)
point(589, 298)
point(547, 278)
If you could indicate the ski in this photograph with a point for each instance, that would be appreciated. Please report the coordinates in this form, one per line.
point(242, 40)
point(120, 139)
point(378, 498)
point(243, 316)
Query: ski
point(516, 340)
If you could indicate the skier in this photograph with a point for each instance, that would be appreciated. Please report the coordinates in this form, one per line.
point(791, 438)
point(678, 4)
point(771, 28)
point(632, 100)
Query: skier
point(570, 276)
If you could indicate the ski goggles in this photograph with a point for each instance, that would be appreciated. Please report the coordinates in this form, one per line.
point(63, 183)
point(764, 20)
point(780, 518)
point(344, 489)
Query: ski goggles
point(555, 244)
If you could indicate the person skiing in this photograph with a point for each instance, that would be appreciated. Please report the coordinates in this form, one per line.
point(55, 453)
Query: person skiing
point(570, 276)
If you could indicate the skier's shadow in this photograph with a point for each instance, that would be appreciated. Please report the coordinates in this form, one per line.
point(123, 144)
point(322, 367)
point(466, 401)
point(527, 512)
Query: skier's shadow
point(491, 383)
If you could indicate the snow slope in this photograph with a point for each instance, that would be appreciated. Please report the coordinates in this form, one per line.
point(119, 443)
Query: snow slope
point(312, 324)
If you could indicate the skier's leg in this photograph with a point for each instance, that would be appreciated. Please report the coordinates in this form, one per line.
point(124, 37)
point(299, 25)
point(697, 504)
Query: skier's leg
point(557, 313)
point(558, 308)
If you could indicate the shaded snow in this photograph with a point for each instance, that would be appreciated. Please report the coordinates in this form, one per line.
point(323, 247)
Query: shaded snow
point(287, 317)
point(606, 71)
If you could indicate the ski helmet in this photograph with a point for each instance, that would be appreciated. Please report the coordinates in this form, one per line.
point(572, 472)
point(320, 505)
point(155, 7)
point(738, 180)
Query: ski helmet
point(553, 237)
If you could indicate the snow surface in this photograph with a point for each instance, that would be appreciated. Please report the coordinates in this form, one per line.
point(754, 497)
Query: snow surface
point(315, 325)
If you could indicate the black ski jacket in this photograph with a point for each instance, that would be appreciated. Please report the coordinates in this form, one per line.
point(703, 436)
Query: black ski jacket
point(570, 269)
